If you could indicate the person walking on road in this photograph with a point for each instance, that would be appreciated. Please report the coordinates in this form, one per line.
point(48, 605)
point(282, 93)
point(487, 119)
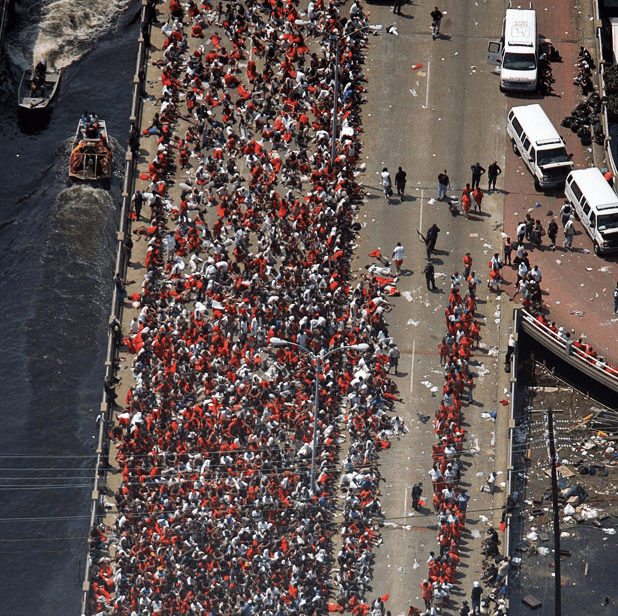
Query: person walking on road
point(393, 358)
point(386, 183)
point(397, 7)
point(475, 597)
point(467, 268)
point(569, 232)
point(398, 256)
point(616, 299)
point(417, 492)
point(431, 238)
point(427, 593)
point(466, 199)
point(477, 172)
point(565, 213)
point(492, 175)
point(477, 197)
point(400, 182)
point(429, 272)
point(443, 185)
point(552, 232)
point(436, 18)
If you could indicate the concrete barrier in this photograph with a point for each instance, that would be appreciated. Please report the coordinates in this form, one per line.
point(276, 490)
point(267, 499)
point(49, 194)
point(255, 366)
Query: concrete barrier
point(97, 512)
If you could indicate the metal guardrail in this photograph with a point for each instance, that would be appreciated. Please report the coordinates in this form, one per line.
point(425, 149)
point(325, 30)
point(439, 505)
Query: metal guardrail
point(566, 350)
point(6, 18)
point(116, 309)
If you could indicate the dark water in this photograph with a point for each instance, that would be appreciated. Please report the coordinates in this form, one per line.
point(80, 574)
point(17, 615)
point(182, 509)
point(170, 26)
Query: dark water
point(56, 269)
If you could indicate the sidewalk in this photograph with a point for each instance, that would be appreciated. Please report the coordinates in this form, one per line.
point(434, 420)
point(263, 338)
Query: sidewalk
point(577, 284)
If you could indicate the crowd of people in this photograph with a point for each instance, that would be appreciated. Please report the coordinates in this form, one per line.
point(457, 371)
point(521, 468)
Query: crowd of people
point(216, 513)
point(449, 500)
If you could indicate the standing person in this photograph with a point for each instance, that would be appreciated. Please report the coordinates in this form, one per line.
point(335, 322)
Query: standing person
point(400, 182)
point(398, 256)
point(127, 244)
point(473, 281)
point(522, 270)
point(427, 593)
point(431, 238)
point(393, 358)
point(475, 597)
point(565, 213)
point(467, 261)
point(510, 349)
point(569, 232)
point(120, 287)
point(616, 299)
point(478, 198)
point(443, 184)
point(138, 202)
point(386, 183)
point(417, 492)
point(537, 233)
point(466, 199)
point(521, 232)
point(436, 18)
point(529, 222)
point(464, 610)
point(552, 232)
point(492, 175)
point(477, 172)
point(397, 7)
point(429, 272)
point(508, 249)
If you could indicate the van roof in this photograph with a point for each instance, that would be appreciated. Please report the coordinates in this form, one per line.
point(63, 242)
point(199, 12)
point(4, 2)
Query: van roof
point(595, 188)
point(520, 27)
point(535, 122)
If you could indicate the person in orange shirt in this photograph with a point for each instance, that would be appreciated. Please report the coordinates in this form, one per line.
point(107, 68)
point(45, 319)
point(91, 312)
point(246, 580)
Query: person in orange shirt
point(467, 261)
point(466, 199)
point(478, 198)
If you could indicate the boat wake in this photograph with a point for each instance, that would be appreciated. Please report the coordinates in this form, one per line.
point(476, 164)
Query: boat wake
point(82, 220)
point(60, 30)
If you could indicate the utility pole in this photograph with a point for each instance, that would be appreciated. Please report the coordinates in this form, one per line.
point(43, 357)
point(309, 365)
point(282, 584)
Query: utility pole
point(554, 497)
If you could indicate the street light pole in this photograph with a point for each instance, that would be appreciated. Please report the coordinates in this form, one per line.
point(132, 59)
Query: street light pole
point(318, 358)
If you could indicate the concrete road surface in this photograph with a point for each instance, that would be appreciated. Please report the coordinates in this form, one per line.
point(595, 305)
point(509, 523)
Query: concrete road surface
point(446, 114)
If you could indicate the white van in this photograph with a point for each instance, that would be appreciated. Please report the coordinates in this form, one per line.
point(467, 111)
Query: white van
point(596, 205)
point(517, 52)
point(535, 139)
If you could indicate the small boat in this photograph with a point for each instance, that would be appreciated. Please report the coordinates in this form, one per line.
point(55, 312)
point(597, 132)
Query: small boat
point(91, 154)
point(37, 90)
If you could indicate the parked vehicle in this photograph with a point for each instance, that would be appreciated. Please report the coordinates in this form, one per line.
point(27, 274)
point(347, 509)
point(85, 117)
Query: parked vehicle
point(596, 205)
point(517, 51)
point(543, 151)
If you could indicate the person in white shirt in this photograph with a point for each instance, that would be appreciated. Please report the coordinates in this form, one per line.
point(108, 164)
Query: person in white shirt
point(398, 254)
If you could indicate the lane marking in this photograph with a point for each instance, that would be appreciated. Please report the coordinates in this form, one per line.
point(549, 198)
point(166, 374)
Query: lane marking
point(412, 367)
point(427, 89)
point(420, 222)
